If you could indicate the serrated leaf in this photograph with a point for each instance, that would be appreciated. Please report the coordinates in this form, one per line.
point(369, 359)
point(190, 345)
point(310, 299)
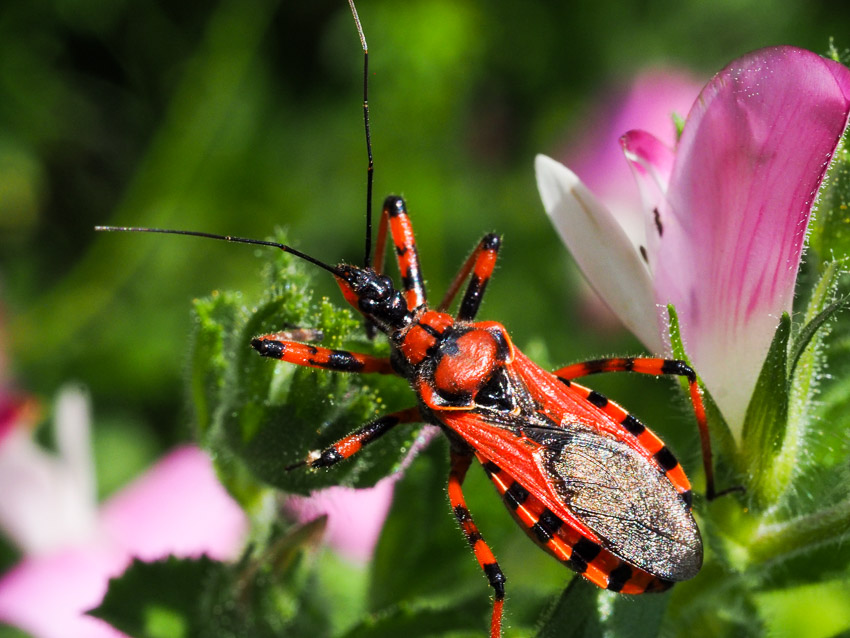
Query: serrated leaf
point(266, 595)
point(154, 597)
point(767, 414)
point(267, 414)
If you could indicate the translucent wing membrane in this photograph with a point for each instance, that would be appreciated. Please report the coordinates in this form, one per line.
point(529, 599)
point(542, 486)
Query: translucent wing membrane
point(626, 501)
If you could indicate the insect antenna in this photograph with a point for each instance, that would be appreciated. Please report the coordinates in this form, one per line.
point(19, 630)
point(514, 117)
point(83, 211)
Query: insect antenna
point(370, 170)
point(239, 240)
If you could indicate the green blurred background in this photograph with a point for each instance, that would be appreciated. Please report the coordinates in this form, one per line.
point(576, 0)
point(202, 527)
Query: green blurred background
point(236, 117)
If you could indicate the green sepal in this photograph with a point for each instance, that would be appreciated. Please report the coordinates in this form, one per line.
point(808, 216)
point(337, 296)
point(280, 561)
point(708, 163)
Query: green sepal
point(766, 419)
point(822, 306)
point(806, 361)
point(829, 236)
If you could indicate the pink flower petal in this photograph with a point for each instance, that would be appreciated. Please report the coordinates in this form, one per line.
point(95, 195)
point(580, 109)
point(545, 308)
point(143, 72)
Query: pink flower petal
point(648, 104)
point(750, 161)
point(652, 163)
point(47, 596)
point(355, 516)
point(178, 507)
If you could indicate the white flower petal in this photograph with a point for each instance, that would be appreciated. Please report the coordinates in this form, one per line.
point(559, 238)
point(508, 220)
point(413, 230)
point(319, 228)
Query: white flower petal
point(49, 500)
point(602, 249)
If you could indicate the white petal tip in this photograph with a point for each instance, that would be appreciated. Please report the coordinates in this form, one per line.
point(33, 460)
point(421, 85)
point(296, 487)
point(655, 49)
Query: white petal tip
point(554, 181)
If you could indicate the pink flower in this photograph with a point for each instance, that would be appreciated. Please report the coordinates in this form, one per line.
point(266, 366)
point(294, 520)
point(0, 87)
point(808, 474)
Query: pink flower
point(72, 549)
point(355, 516)
point(648, 103)
point(724, 215)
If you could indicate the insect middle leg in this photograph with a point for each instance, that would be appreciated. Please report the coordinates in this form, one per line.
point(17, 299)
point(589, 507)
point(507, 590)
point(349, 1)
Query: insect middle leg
point(480, 264)
point(354, 442)
point(657, 367)
point(459, 465)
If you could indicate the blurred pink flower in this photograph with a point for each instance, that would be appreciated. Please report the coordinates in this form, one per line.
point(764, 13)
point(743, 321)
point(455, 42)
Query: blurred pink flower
point(724, 215)
point(649, 104)
point(355, 516)
point(72, 549)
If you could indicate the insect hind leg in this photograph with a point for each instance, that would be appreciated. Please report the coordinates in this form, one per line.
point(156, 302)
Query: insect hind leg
point(657, 366)
point(489, 565)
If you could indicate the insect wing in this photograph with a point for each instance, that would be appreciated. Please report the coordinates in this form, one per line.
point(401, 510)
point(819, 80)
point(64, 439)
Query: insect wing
point(605, 479)
point(588, 471)
point(625, 500)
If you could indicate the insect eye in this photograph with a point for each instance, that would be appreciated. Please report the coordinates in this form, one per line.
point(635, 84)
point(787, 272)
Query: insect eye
point(496, 392)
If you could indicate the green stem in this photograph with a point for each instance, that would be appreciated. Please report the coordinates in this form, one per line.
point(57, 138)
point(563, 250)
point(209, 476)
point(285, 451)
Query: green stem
point(783, 540)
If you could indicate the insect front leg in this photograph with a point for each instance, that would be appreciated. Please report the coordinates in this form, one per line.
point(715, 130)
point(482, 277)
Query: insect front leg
point(657, 367)
point(481, 264)
point(354, 442)
point(459, 465)
point(279, 346)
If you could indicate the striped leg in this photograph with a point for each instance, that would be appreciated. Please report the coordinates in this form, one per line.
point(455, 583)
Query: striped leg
point(354, 442)
point(395, 215)
point(278, 346)
point(459, 465)
point(657, 367)
point(649, 442)
point(481, 264)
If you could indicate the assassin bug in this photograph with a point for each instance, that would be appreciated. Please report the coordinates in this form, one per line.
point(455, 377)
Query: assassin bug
point(586, 480)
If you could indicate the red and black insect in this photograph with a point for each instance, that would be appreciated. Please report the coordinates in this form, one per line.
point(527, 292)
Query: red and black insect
point(586, 480)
